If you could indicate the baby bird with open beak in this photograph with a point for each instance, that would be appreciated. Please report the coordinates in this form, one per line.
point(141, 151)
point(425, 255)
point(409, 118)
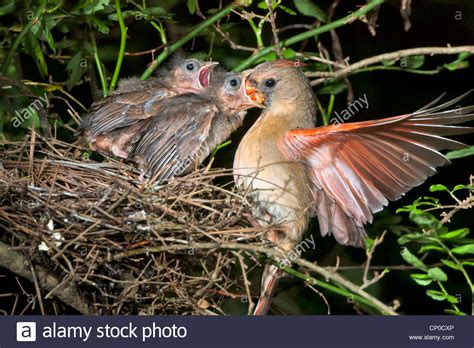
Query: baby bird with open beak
point(116, 121)
point(343, 174)
point(190, 126)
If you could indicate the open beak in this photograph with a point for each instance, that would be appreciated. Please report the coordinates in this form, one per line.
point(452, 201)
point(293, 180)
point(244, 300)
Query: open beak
point(205, 73)
point(255, 97)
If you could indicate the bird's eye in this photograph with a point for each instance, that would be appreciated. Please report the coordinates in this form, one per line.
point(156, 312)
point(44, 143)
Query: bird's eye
point(270, 83)
point(232, 83)
point(191, 66)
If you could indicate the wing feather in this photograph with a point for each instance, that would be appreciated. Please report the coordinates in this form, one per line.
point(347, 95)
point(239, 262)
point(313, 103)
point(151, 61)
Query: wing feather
point(357, 168)
point(132, 102)
point(173, 140)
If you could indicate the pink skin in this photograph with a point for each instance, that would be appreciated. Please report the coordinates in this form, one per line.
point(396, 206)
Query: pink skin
point(194, 82)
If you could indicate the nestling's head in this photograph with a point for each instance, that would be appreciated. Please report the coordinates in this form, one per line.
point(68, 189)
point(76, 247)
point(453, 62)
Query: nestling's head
point(192, 75)
point(229, 90)
point(278, 81)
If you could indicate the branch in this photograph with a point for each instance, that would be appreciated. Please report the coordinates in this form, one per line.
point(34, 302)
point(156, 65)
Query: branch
point(383, 57)
point(274, 28)
point(310, 33)
point(274, 254)
point(65, 291)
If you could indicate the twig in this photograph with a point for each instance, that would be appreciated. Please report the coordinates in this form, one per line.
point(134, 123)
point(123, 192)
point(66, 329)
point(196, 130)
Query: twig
point(271, 252)
point(18, 264)
point(243, 267)
point(370, 253)
point(310, 33)
point(37, 289)
point(386, 56)
point(274, 28)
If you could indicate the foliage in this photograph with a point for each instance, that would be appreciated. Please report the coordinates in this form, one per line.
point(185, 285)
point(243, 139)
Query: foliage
point(434, 240)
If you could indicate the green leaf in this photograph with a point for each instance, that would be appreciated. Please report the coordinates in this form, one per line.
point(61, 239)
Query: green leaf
point(287, 10)
point(468, 151)
point(95, 6)
point(437, 274)
point(65, 43)
point(334, 88)
point(191, 6)
point(464, 249)
point(8, 7)
point(157, 11)
point(389, 62)
point(454, 312)
point(288, 53)
point(404, 209)
point(468, 263)
point(127, 14)
point(263, 5)
point(414, 62)
point(369, 242)
point(420, 201)
point(457, 234)
point(33, 118)
point(423, 282)
point(34, 49)
point(50, 39)
point(421, 279)
point(412, 259)
point(414, 237)
point(74, 69)
point(308, 8)
point(451, 264)
point(459, 63)
point(424, 219)
point(430, 247)
point(436, 295)
point(463, 187)
point(438, 187)
point(99, 25)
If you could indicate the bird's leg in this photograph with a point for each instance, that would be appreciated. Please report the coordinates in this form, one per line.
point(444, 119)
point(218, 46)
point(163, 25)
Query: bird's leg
point(270, 277)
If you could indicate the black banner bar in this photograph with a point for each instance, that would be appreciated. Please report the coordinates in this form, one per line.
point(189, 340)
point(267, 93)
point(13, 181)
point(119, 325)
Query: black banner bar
point(235, 331)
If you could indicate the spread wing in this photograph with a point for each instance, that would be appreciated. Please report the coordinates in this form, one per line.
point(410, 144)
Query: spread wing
point(358, 167)
point(173, 140)
point(133, 101)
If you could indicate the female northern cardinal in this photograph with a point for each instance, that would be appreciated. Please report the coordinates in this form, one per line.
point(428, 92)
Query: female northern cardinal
point(342, 174)
point(116, 121)
point(189, 126)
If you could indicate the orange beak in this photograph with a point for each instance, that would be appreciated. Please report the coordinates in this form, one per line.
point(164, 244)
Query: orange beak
point(254, 95)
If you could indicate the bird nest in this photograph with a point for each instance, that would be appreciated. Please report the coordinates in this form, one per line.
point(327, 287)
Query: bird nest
point(89, 235)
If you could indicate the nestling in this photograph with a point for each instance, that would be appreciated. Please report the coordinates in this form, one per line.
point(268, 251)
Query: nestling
point(190, 126)
point(115, 122)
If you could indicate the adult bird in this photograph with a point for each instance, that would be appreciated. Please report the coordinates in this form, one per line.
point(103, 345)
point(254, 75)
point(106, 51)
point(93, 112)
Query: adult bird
point(116, 121)
point(342, 174)
point(190, 126)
